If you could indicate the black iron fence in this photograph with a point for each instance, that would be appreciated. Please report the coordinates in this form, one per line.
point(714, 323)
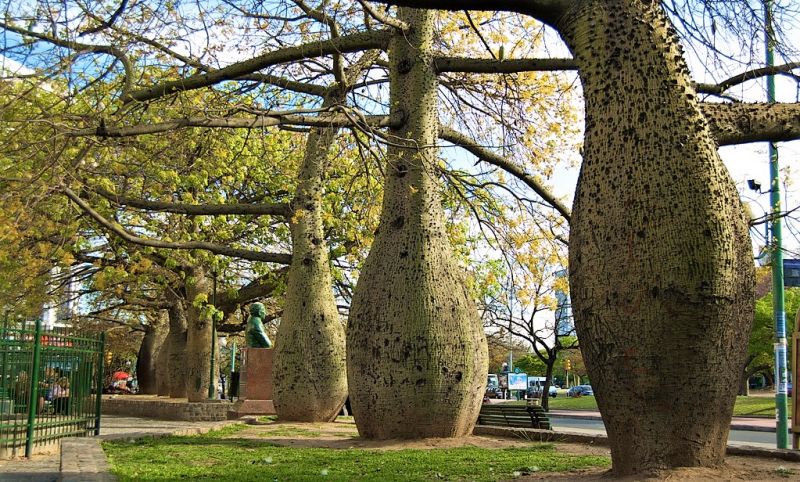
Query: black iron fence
point(50, 385)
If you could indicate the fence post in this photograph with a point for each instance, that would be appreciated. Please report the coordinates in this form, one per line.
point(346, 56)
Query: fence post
point(33, 403)
point(99, 382)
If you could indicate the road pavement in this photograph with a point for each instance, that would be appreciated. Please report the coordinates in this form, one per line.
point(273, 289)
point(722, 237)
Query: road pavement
point(755, 431)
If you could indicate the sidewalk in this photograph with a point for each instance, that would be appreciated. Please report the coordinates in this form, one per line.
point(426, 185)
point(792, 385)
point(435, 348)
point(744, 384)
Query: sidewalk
point(81, 466)
point(754, 424)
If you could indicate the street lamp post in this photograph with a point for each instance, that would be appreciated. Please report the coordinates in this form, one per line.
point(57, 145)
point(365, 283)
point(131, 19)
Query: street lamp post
point(776, 253)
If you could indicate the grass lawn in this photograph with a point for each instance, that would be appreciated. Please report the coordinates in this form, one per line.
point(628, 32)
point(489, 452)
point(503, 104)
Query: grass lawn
point(745, 406)
point(221, 456)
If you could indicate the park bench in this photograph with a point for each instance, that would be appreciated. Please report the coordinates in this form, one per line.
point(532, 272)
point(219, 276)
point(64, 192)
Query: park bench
point(506, 415)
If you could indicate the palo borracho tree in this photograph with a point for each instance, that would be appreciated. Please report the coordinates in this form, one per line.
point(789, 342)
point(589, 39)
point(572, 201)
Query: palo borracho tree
point(660, 257)
point(416, 354)
point(619, 152)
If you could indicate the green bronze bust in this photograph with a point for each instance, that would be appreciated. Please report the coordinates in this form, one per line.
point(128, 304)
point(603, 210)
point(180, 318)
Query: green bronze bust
point(256, 336)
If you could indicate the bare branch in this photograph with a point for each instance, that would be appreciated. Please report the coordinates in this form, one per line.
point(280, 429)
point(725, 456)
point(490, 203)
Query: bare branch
point(490, 157)
point(108, 23)
point(385, 19)
point(346, 44)
point(81, 47)
point(719, 89)
point(509, 66)
point(257, 122)
point(276, 209)
point(188, 245)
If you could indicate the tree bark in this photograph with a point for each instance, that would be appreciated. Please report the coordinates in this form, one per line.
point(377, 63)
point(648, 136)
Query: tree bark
point(198, 336)
point(175, 344)
point(309, 371)
point(661, 271)
point(416, 353)
point(548, 381)
point(146, 361)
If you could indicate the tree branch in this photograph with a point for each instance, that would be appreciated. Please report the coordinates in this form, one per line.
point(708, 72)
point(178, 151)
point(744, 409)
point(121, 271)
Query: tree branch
point(490, 157)
point(257, 122)
point(256, 289)
point(509, 66)
point(345, 44)
point(188, 245)
point(277, 209)
point(718, 89)
point(547, 11)
point(108, 23)
point(81, 47)
point(756, 122)
point(385, 19)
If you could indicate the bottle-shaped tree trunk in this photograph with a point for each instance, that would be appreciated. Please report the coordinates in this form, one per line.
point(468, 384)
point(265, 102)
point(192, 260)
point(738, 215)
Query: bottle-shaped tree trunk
point(162, 356)
point(416, 353)
point(147, 358)
point(198, 336)
point(661, 269)
point(309, 365)
point(175, 345)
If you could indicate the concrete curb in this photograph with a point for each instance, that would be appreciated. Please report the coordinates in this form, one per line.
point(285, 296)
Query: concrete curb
point(574, 437)
point(83, 459)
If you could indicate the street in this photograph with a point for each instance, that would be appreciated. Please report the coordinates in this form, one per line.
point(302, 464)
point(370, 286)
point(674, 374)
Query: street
point(736, 437)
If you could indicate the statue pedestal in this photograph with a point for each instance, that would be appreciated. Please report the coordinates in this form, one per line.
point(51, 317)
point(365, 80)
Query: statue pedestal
point(255, 384)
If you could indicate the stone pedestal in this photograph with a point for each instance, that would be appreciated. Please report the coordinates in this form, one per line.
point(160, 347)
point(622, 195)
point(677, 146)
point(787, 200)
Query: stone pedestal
point(255, 384)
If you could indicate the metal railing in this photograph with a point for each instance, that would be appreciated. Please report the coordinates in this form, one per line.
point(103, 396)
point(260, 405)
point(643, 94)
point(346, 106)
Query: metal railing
point(50, 385)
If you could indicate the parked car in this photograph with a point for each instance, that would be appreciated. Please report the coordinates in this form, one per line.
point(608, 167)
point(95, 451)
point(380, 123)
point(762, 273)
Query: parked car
point(493, 392)
point(580, 391)
point(535, 391)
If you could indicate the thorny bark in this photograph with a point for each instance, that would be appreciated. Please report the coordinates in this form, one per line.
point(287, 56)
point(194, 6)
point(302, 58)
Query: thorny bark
point(657, 214)
point(197, 357)
point(175, 344)
point(416, 353)
point(309, 371)
point(147, 359)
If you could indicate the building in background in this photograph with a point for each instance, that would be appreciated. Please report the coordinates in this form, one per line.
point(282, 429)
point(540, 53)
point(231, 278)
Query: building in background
point(564, 323)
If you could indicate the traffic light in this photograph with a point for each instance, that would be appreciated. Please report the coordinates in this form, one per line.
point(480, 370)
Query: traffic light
point(109, 356)
point(567, 365)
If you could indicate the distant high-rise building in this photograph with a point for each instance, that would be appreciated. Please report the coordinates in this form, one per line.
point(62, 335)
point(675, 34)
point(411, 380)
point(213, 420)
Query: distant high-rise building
point(564, 323)
point(62, 305)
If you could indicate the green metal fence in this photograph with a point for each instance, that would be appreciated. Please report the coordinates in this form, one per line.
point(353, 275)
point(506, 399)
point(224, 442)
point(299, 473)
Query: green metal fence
point(50, 385)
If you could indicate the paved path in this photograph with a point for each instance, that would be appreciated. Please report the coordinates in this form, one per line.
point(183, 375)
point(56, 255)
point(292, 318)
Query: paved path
point(86, 466)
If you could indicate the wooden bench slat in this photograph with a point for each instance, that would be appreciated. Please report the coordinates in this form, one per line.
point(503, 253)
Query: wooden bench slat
point(514, 416)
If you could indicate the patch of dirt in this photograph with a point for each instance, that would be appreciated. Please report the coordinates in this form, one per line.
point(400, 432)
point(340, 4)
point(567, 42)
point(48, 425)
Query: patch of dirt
point(343, 435)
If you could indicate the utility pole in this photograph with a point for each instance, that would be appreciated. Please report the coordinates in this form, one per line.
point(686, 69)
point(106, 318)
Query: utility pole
point(776, 253)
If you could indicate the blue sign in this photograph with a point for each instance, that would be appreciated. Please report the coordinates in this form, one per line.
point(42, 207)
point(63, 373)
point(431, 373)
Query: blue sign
point(791, 272)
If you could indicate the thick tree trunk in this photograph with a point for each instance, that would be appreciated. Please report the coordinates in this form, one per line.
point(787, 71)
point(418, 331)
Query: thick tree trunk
point(146, 361)
point(162, 370)
point(199, 330)
point(416, 353)
point(744, 386)
point(175, 344)
point(744, 378)
point(161, 385)
point(547, 383)
point(309, 370)
point(661, 270)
